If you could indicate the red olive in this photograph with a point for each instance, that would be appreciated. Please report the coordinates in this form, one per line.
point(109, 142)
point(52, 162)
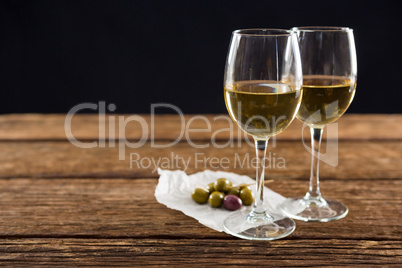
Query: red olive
point(232, 202)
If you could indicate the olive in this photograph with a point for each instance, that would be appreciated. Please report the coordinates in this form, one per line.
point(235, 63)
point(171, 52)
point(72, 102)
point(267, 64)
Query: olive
point(222, 185)
point(247, 196)
point(232, 202)
point(215, 199)
point(234, 191)
point(242, 185)
point(200, 195)
point(246, 187)
point(211, 187)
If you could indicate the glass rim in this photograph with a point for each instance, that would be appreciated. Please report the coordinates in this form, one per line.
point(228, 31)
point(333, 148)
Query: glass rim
point(322, 29)
point(260, 32)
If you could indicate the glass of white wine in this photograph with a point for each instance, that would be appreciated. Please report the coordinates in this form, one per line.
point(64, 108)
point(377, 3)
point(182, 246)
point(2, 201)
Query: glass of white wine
point(262, 88)
point(329, 82)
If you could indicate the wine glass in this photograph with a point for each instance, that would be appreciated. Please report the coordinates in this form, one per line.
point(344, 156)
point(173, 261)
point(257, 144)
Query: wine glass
point(262, 88)
point(329, 81)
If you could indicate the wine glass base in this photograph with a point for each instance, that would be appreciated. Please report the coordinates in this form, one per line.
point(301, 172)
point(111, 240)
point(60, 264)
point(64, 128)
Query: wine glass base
point(262, 226)
point(319, 209)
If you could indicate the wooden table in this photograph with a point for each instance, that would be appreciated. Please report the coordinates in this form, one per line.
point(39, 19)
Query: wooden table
point(62, 205)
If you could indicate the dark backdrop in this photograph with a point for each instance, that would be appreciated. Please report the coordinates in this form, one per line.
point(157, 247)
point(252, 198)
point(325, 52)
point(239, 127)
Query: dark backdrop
point(56, 54)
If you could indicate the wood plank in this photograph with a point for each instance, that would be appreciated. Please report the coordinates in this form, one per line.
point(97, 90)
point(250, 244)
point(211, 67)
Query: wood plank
point(127, 208)
point(170, 127)
point(198, 252)
point(364, 159)
point(72, 219)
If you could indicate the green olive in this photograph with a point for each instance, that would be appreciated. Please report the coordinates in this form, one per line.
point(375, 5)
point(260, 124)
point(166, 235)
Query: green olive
point(234, 191)
point(211, 187)
point(246, 187)
point(215, 199)
point(247, 196)
point(242, 185)
point(222, 185)
point(200, 195)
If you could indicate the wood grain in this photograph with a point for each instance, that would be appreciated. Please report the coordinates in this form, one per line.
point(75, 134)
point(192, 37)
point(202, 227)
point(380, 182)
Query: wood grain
point(64, 206)
point(364, 159)
point(113, 208)
point(107, 222)
point(169, 127)
point(198, 252)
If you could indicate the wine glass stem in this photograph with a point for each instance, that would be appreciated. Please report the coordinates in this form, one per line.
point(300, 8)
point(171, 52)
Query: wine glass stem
point(316, 136)
point(261, 150)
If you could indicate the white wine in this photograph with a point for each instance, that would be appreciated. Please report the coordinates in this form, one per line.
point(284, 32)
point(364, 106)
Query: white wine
point(262, 108)
point(325, 98)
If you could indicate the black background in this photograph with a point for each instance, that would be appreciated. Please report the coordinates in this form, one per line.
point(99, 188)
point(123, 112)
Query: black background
point(56, 54)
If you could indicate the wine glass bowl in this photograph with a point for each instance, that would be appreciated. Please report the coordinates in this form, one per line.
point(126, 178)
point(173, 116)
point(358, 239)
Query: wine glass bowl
point(329, 65)
point(262, 90)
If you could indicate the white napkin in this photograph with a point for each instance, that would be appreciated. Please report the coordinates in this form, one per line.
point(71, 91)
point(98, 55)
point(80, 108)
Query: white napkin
point(175, 187)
